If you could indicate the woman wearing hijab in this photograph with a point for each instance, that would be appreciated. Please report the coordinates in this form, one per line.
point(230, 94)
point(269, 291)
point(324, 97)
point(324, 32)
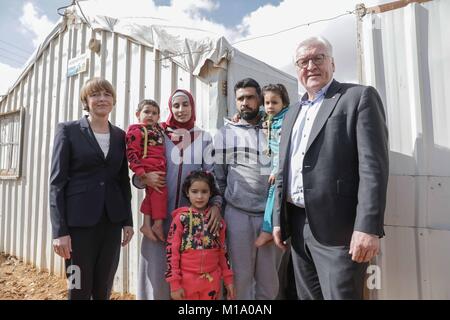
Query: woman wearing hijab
point(188, 148)
point(90, 195)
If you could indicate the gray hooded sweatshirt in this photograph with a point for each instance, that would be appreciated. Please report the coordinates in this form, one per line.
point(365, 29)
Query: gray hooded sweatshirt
point(242, 168)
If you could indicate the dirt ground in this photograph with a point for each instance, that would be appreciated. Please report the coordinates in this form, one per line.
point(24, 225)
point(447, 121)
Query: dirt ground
point(19, 281)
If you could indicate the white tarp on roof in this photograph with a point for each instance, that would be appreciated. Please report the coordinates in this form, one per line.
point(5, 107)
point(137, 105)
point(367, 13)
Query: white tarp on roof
point(189, 47)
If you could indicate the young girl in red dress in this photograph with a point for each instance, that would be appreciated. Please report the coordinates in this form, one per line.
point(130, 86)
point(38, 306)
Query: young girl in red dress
point(197, 260)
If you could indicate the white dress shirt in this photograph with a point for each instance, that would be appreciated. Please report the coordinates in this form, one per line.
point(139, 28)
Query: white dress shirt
point(299, 140)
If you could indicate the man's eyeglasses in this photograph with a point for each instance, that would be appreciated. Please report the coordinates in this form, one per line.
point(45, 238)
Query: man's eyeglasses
point(317, 60)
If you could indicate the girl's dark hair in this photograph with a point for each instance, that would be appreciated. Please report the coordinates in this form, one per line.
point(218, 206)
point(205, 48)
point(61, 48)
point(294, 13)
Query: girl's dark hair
point(146, 102)
point(278, 89)
point(200, 175)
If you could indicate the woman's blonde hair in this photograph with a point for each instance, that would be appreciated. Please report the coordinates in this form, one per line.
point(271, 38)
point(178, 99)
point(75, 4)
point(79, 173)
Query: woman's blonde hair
point(96, 85)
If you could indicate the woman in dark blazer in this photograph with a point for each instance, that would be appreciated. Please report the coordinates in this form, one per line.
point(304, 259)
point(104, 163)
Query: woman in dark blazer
point(90, 194)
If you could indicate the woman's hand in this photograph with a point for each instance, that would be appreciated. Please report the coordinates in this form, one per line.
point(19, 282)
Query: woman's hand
point(127, 235)
point(63, 246)
point(154, 179)
point(177, 295)
point(231, 294)
point(271, 179)
point(214, 219)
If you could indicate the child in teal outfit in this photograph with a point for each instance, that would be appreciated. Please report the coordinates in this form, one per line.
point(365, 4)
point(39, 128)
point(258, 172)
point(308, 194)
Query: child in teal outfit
point(276, 102)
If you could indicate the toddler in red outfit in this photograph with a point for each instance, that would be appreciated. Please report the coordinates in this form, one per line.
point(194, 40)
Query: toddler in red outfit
point(197, 260)
point(146, 153)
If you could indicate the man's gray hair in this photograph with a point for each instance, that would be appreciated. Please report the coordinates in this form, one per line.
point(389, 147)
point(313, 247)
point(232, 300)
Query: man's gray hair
point(316, 40)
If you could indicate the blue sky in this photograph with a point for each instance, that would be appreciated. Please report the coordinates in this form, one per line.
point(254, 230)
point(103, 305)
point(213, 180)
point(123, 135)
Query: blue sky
point(17, 37)
point(25, 23)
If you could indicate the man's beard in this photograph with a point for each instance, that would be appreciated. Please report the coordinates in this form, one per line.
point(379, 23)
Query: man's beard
point(248, 115)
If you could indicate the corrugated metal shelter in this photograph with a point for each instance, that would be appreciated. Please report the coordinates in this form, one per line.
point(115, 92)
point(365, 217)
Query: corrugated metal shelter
point(405, 54)
point(142, 60)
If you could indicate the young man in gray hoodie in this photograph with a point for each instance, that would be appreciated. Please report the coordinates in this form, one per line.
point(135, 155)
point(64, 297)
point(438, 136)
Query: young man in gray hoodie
point(242, 170)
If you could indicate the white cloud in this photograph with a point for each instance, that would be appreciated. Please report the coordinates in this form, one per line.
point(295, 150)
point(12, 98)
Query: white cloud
point(39, 25)
point(193, 7)
point(117, 9)
point(278, 50)
point(9, 75)
point(147, 8)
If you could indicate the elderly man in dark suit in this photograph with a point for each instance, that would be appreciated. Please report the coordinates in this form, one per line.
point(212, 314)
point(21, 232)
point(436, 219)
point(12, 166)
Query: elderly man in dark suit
point(332, 180)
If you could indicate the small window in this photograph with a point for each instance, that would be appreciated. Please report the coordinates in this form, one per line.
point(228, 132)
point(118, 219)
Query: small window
point(11, 132)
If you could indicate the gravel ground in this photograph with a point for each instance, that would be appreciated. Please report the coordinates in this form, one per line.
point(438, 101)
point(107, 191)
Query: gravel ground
point(20, 281)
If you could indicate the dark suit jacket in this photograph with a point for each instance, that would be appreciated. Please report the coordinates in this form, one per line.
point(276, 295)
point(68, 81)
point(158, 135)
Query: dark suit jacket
point(83, 183)
point(345, 167)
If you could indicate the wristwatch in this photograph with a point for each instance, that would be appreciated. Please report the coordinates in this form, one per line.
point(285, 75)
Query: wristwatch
point(137, 182)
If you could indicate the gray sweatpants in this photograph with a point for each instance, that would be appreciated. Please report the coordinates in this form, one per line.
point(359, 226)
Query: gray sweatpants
point(152, 284)
point(255, 269)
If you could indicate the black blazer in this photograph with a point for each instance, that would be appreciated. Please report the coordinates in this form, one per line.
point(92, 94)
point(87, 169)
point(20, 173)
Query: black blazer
point(83, 183)
point(345, 167)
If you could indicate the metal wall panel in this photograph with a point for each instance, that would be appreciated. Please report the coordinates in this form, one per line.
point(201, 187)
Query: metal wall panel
point(414, 264)
point(405, 54)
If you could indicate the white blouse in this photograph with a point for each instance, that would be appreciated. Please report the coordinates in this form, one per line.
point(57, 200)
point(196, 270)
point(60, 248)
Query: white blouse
point(103, 141)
